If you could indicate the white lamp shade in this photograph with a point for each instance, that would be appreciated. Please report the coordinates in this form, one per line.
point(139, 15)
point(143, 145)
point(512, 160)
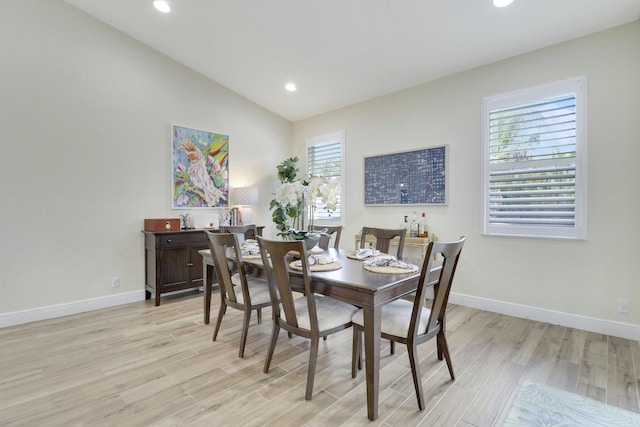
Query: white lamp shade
point(244, 196)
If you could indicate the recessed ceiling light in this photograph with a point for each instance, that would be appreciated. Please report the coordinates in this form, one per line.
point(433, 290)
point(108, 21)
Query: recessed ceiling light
point(291, 87)
point(162, 6)
point(502, 3)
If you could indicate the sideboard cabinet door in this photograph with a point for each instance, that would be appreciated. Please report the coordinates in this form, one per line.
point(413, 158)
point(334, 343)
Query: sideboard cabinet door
point(172, 261)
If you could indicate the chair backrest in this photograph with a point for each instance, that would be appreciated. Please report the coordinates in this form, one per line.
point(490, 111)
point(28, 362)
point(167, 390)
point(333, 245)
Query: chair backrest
point(383, 238)
point(450, 253)
point(329, 231)
point(276, 260)
point(250, 231)
point(220, 244)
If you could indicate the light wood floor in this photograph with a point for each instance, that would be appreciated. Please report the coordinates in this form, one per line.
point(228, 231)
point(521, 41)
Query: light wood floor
point(139, 364)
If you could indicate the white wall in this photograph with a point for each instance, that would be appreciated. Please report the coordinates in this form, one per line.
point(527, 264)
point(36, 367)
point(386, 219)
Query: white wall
point(85, 121)
point(582, 278)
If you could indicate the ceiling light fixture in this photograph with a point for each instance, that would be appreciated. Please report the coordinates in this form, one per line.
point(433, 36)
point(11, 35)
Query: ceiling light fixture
point(502, 3)
point(291, 87)
point(162, 6)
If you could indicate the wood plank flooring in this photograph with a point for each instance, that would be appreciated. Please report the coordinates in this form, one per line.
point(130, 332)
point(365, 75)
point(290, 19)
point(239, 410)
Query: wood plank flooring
point(141, 365)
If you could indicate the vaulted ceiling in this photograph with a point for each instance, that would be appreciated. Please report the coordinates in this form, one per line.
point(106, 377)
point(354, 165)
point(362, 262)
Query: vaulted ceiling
point(340, 52)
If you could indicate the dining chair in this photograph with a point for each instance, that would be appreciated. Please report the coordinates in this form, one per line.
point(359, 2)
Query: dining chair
point(237, 290)
point(326, 237)
point(250, 231)
point(383, 242)
point(383, 238)
point(412, 323)
point(310, 316)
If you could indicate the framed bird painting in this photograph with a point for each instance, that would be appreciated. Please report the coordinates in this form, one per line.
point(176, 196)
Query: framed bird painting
point(200, 169)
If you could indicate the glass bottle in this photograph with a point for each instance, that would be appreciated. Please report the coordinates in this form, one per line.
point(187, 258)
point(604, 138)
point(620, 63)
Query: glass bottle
point(405, 225)
point(422, 226)
point(413, 227)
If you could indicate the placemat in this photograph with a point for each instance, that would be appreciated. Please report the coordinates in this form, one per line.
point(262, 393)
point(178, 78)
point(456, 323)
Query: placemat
point(335, 265)
point(390, 270)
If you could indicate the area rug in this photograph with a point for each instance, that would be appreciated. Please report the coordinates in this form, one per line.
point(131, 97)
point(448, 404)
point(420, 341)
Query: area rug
point(542, 405)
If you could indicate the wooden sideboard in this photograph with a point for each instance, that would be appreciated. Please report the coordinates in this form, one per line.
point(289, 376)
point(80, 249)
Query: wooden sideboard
point(418, 242)
point(172, 261)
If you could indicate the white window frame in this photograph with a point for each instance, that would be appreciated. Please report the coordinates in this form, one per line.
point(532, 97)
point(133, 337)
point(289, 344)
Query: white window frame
point(337, 218)
point(578, 231)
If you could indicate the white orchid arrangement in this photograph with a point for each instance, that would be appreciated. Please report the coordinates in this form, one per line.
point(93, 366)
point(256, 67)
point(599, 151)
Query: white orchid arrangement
point(327, 190)
point(290, 193)
point(295, 199)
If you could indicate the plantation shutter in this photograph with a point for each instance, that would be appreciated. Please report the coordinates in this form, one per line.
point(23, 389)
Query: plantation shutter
point(325, 160)
point(532, 163)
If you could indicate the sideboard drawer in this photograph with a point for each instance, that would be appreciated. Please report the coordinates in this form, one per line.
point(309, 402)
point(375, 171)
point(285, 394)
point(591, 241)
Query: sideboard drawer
point(178, 239)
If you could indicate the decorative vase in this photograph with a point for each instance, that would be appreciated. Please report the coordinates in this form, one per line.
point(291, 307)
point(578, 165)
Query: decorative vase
point(310, 238)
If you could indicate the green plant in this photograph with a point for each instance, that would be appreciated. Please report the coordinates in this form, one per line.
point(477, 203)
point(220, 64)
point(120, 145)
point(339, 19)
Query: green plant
point(289, 202)
point(288, 170)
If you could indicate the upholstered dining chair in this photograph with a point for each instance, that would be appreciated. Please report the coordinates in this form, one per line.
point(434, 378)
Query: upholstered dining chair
point(329, 231)
point(237, 290)
point(310, 316)
point(250, 231)
point(411, 323)
point(383, 238)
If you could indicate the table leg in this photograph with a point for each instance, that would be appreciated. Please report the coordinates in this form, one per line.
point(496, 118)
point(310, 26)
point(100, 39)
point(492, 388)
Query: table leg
point(207, 292)
point(372, 317)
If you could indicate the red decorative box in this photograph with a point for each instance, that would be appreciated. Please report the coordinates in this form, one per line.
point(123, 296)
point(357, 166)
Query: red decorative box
point(162, 224)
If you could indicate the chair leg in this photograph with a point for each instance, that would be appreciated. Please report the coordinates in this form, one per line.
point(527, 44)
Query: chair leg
point(393, 347)
point(355, 353)
point(245, 331)
point(221, 312)
point(439, 346)
point(444, 349)
point(311, 373)
point(415, 372)
point(272, 345)
point(259, 316)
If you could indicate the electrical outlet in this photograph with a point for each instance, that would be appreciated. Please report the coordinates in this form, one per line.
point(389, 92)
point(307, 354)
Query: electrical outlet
point(623, 305)
point(115, 282)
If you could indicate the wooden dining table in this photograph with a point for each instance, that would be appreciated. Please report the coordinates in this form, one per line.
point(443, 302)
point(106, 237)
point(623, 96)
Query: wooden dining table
point(355, 285)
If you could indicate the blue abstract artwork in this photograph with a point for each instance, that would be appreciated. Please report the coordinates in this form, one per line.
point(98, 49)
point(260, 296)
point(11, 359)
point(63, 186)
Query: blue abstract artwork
point(409, 178)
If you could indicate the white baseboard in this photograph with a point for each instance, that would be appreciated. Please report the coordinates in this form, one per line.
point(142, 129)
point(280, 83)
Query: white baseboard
point(591, 324)
point(74, 307)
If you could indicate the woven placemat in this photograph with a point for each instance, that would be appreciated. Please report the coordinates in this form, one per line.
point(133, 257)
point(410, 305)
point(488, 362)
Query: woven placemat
point(335, 265)
point(390, 270)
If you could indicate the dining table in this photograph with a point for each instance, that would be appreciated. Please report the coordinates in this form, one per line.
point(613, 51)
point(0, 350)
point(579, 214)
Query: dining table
point(353, 284)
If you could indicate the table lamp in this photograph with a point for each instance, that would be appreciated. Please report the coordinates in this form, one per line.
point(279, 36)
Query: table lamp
point(243, 197)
